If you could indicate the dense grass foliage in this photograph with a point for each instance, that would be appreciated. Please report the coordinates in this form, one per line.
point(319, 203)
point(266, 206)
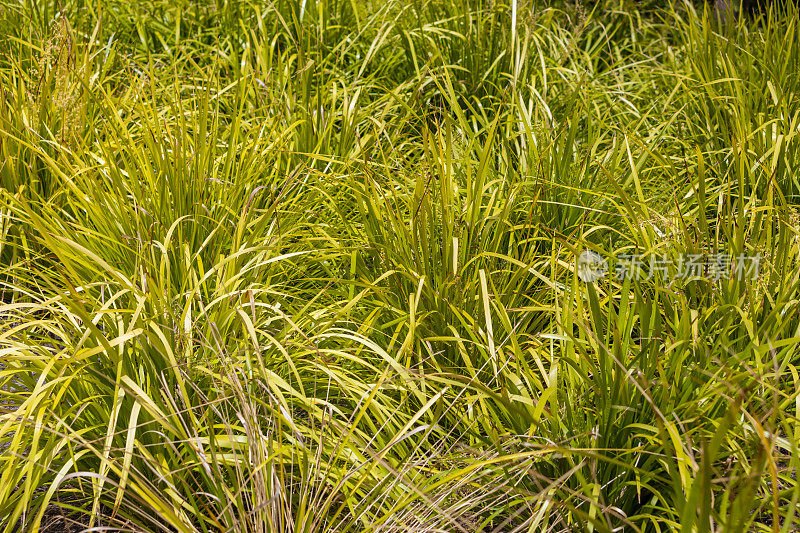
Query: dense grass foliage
point(312, 266)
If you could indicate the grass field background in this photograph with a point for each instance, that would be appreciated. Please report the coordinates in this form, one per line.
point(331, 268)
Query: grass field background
point(311, 266)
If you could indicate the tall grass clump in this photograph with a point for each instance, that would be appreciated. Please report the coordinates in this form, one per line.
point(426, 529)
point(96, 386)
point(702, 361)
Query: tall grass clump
point(320, 266)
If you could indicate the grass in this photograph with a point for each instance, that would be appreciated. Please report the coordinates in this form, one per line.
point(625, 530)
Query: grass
point(312, 266)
